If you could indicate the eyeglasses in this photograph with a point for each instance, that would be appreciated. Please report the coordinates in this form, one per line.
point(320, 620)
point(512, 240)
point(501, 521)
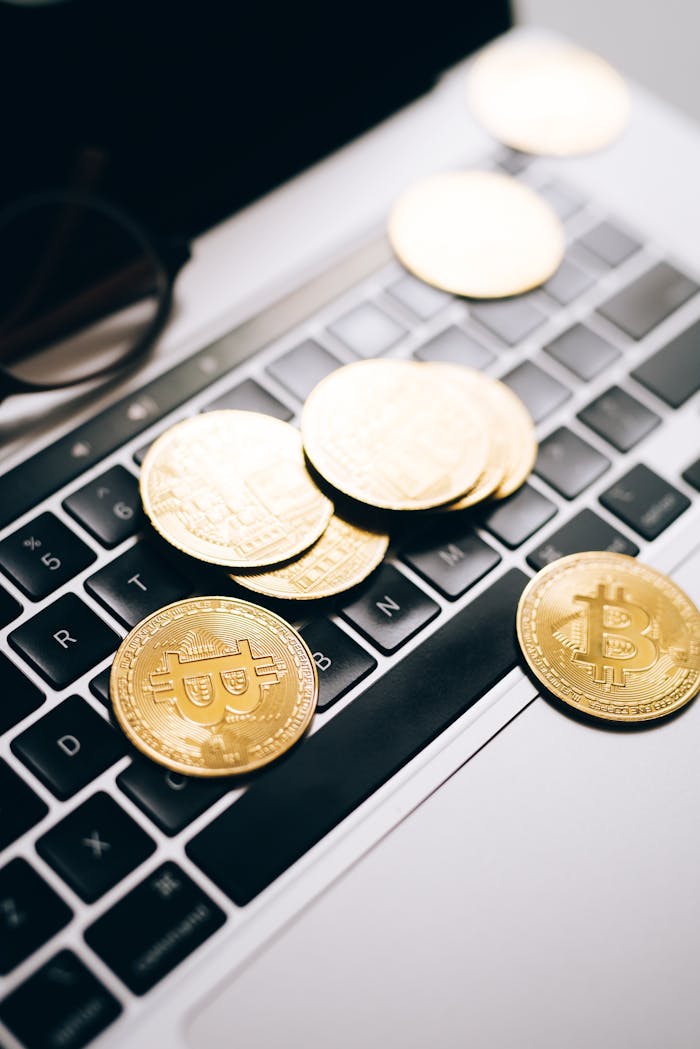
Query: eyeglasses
point(84, 290)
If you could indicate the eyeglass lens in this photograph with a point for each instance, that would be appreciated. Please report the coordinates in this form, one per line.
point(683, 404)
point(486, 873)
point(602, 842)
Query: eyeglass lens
point(80, 290)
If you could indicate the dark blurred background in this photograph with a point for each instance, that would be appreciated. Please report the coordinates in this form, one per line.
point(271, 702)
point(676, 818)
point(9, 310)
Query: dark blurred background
point(184, 111)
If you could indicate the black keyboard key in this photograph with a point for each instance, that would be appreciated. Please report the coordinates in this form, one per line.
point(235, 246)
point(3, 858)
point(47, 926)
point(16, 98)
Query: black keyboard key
point(585, 531)
point(569, 281)
point(609, 243)
point(43, 555)
point(150, 931)
point(563, 199)
point(340, 661)
point(455, 346)
point(249, 396)
point(539, 392)
point(19, 695)
point(451, 557)
point(20, 808)
point(30, 913)
point(673, 372)
point(95, 846)
point(648, 300)
point(513, 161)
point(68, 747)
point(137, 583)
point(620, 418)
point(99, 686)
point(692, 474)
point(322, 781)
point(582, 351)
point(64, 641)
point(512, 320)
point(568, 463)
point(645, 501)
point(109, 507)
point(170, 799)
point(303, 367)
point(419, 298)
point(367, 330)
point(515, 519)
point(61, 1006)
point(390, 610)
point(140, 453)
point(9, 608)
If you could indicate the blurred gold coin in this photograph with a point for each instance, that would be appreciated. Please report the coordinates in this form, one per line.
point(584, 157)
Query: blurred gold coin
point(476, 233)
point(231, 488)
point(340, 559)
point(611, 636)
point(394, 434)
point(213, 686)
point(548, 97)
point(514, 443)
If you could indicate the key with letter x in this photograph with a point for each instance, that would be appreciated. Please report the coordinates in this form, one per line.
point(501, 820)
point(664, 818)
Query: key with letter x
point(95, 846)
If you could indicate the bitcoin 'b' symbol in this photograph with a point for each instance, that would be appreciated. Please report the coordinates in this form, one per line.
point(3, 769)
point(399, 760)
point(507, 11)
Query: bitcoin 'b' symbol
point(204, 689)
point(616, 642)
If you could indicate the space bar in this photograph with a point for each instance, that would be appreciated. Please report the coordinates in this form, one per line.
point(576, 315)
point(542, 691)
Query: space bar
point(295, 803)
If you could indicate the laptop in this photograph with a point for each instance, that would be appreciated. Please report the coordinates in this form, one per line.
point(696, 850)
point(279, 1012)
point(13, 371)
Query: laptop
point(448, 857)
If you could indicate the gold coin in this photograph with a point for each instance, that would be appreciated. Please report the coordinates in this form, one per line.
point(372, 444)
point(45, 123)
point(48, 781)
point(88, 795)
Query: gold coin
point(514, 443)
point(548, 97)
point(611, 636)
point(394, 434)
point(212, 686)
point(339, 560)
point(476, 233)
point(231, 488)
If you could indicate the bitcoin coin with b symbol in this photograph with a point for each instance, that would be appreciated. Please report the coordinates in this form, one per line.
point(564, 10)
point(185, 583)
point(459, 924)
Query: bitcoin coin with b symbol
point(611, 636)
point(213, 686)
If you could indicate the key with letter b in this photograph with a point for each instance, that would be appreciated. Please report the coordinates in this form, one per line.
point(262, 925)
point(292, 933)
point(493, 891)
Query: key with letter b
point(340, 662)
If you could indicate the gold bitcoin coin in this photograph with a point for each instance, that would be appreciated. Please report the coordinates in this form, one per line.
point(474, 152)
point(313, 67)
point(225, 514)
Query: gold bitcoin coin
point(394, 434)
point(548, 97)
point(611, 636)
point(213, 686)
point(339, 560)
point(476, 233)
point(231, 488)
point(513, 441)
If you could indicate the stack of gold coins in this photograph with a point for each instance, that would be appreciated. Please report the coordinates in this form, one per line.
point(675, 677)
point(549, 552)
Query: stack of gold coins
point(232, 488)
point(406, 436)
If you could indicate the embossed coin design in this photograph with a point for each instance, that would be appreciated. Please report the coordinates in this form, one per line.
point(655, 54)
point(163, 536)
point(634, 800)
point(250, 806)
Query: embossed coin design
point(548, 97)
point(213, 686)
point(231, 488)
point(611, 636)
point(514, 443)
point(476, 233)
point(340, 559)
point(394, 434)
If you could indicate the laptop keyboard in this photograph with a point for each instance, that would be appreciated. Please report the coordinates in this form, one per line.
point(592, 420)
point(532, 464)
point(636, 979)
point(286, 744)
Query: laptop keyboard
point(112, 870)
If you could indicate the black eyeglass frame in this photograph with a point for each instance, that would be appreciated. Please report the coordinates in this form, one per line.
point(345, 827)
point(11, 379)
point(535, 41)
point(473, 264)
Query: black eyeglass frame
point(168, 256)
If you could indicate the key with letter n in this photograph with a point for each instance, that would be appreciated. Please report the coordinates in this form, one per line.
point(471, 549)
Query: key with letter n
point(390, 609)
